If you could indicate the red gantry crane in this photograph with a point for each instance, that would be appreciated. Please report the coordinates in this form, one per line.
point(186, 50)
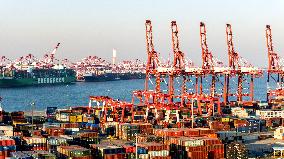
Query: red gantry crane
point(210, 65)
point(275, 67)
point(152, 59)
point(242, 70)
point(178, 66)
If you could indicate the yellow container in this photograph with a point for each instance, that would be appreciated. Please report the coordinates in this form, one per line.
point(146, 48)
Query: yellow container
point(79, 118)
point(225, 120)
point(97, 112)
point(72, 119)
point(85, 119)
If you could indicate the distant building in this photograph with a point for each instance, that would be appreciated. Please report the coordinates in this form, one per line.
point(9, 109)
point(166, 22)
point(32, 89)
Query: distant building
point(266, 114)
point(279, 133)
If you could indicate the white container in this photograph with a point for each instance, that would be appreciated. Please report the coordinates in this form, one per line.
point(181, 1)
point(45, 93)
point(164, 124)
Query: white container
point(144, 156)
point(193, 143)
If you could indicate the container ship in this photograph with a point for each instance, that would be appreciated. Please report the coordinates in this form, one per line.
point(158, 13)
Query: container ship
point(95, 69)
point(112, 76)
point(17, 78)
point(29, 71)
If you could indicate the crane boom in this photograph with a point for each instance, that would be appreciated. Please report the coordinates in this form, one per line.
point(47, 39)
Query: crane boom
point(179, 61)
point(53, 52)
point(273, 58)
point(207, 61)
point(233, 56)
point(153, 61)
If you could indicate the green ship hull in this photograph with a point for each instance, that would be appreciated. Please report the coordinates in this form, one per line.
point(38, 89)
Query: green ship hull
point(10, 82)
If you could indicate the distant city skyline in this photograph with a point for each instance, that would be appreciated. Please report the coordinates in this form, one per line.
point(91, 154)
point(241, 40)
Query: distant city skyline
point(93, 27)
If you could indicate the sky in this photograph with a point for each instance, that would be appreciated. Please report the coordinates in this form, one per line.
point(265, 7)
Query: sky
point(95, 27)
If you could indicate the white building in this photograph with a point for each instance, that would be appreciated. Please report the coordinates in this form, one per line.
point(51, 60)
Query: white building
point(266, 114)
point(279, 133)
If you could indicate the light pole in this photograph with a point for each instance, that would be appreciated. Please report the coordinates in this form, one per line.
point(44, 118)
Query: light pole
point(33, 105)
point(192, 117)
point(136, 145)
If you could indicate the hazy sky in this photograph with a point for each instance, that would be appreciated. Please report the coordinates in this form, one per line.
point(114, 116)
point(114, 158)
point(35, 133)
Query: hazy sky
point(94, 27)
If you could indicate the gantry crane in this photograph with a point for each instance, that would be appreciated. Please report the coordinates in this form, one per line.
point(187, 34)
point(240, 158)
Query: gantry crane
point(152, 59)
point(210, 66)
point(274, 66)
point(178, 63)
point(241, 69)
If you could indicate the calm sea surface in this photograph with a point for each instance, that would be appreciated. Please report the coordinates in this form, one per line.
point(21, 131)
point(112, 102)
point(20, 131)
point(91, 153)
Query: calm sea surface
point(64, 96)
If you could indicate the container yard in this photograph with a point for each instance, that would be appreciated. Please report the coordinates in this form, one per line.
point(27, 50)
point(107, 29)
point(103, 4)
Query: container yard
point(94, 96)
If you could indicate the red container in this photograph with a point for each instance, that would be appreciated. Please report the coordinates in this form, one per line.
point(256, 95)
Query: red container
point(191, 132)
point(114, 156)
point(55, 131)
point(161, 157)
point(198, 155)
point(129, 149)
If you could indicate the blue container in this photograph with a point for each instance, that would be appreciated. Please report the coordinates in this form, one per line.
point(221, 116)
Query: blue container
point(88, 125)
point(82, 124)
point(5, 148)
point(11, 148)
point(141, 150)
point(94, 125)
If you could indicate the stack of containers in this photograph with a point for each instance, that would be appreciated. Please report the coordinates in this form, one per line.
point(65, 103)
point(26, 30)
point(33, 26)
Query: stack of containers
point(69, 125)
point(196, 148)
point(53, 142)
point(236, 150)
point(128, 131)
point(50, 114)
point(18, 117)
point(180, 147)
point(94, 127)
point(241, 124)
point(71, 131)
point(191, 132)
point(73, 152)
point(205, 131)
point(108, 151)
point(32, 154)
point(36, 132)
point(47, 125)
point(87, 138)
point(88, 118)
point(18, 142)
point(35, 143)
point(146, 128)
point(198, 143)
point(75, 117)
point(55, 131)
point(128, 147)
point(7, 145)
point(149, 138)
point(166, 133)
point(63, 115)
point(152, 149)
point(169, 132)
point(219, 126)
point(7, 129)
point(111, 128)
point(274, 122)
